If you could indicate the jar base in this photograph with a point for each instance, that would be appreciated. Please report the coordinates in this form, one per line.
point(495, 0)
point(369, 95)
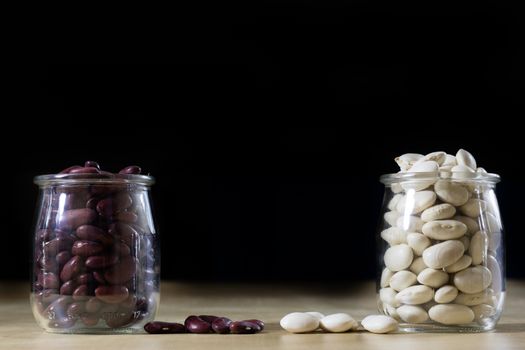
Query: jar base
point(437, 328)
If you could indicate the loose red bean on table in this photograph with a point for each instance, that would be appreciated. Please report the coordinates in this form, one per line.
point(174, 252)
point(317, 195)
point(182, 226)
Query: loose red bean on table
point(203, 324)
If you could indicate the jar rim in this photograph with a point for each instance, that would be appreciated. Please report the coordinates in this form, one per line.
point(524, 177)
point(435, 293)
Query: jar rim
point(388, 179)
point(87, 179)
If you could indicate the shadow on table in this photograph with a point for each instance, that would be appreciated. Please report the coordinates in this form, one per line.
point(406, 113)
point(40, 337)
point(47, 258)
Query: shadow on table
point(510, 328)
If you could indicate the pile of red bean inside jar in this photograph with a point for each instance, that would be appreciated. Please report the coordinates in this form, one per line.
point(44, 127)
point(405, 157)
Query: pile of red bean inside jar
point(96, 255)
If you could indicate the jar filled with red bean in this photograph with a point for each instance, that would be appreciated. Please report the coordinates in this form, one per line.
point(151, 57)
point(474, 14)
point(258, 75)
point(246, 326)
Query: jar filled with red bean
point(96, 256)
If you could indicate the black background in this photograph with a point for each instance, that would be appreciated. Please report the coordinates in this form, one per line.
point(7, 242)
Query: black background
point(267, 127)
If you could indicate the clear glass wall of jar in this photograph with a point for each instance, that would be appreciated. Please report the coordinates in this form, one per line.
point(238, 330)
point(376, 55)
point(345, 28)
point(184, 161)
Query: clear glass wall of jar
point(96, 254)
point(441, 252)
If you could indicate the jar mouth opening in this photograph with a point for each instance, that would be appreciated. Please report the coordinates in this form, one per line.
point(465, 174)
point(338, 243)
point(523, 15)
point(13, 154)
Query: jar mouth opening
point(87, 179)
point(388, 179)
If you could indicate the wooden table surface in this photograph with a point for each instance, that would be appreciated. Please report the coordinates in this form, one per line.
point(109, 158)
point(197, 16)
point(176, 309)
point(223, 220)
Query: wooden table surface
point(268, 302)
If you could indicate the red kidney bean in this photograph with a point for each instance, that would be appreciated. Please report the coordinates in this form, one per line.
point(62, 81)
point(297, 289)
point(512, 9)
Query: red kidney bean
point(93, 233)
point(84, 170)
point(75, 200)
point(101, 261)
point(91, 164)
point(67, 170)
point(68, 287)
point(63, 257)
point(71, 219)
point(125, 232)
point(121, 249)
point(84, 278)
point(48, 280)
point(93, 305)
point(57, 245)
point(86, 248)
point(48, 296)
point(108, 206)
point(99, 277)
point(57, 309)
point(89, 320)
point(244, 327)
point(122, 272)
point(72, 268)
point(125, 216)
point(112, 294)
point(164, 328)
point(75, 309)
point(208, 318)
point(194, 324)
point(132, 169)
point(221, 325)
point(258, 322)
point(92, 202)
point(44, 235)
point(120, 318)
point(108, 310)
point(62, 322)
point(129, 303)
point(82, 293)
point(47, 262)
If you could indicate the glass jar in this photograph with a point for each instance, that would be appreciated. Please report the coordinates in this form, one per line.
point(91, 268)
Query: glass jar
point(96, 254)
point(441, 252)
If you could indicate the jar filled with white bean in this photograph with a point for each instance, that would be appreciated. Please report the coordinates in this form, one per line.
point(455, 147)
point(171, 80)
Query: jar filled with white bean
point(441, 252)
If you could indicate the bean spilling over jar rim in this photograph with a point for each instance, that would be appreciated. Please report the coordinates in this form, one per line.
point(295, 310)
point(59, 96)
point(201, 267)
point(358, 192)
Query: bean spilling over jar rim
point(441, 245)
point(96, 255)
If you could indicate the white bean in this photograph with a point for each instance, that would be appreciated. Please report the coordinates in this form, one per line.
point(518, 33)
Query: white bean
point(450, 160)
point(444, 229)
point(432, 278)
point(483, 311)
point(463, 262)
point(416, 202)
point(379, 324)
point(451, 314)
point(398, 257)
point(422, 183)
point(417, 265)
point(478, 247)
point(338, 323)
point(391, 217)
point(402, 279)
point(388, 296)
point(406, 160)
point(418, 242)
point(446, 294)
point(443, 254)
point(410, 223)
point(438, 212)
point(412, 314)
point(474, 299)
point(315, 314)
point(299, 322)
point(394, 235)
point(451, 192)
point(464, 157)
point(393, 202)
point(473, 279)
point(472, 225)
point(473, 207)
point(385, 277)
point(415, 295)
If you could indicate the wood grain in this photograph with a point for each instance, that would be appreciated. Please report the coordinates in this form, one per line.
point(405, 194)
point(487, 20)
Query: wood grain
point(18, 330)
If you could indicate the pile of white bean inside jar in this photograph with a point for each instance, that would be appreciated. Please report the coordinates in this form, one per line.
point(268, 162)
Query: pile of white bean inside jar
point(441, 249)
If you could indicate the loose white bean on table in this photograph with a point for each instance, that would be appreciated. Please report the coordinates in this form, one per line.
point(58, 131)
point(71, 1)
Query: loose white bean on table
point(305, 322)
point(441, 235)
